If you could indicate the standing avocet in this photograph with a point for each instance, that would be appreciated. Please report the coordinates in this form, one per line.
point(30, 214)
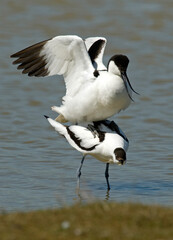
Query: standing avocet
point(103, 140)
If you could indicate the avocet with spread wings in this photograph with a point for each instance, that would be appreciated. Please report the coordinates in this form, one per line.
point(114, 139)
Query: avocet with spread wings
point(93, 92)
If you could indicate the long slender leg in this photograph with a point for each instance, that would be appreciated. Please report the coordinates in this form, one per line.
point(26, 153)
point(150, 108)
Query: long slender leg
point(107, 175)
point(79, 173)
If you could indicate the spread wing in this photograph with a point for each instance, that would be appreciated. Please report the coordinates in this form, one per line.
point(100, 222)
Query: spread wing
point(95, 47)
point(62, 55)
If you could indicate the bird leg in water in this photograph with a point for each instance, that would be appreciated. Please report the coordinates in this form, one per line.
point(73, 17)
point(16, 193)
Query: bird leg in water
point(79, 173)
point(107, 175)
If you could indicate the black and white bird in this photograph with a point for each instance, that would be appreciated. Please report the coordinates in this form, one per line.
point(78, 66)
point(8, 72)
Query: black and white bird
point(93, 92)
point(103, 140)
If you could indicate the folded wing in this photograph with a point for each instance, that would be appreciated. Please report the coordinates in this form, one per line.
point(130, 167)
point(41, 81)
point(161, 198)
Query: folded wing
point(83, 138)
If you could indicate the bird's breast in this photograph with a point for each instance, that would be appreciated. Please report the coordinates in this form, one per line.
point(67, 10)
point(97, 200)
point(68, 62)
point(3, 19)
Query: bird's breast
point(103, 158)
point(112, 91)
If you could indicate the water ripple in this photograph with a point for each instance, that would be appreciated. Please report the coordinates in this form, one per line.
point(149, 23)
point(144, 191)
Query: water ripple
point(36, 163)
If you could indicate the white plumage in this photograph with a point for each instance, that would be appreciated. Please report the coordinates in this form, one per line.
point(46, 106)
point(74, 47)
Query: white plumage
point(95, 47)
point(104, 140)
point(93, 92)
point(87, 142)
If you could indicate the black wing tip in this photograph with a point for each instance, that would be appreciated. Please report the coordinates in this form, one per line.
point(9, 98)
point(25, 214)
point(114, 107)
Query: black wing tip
point(16, 55)
point(13, 55)
point(46, 116)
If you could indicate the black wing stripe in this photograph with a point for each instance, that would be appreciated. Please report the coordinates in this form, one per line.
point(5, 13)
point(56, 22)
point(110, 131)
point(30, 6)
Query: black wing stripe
point(111, 125)
point(95, 49)
point(78, 141)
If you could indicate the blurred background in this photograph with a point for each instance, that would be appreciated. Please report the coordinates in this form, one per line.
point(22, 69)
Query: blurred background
point(38, 167)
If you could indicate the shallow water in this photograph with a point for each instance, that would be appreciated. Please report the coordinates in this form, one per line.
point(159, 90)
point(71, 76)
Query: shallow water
point(38, 167)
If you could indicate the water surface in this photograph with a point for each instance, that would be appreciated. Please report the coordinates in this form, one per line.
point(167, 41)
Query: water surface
point(38, 167)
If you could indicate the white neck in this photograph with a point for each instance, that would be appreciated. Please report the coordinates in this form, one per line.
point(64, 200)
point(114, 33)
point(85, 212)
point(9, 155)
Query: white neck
point(112, 68)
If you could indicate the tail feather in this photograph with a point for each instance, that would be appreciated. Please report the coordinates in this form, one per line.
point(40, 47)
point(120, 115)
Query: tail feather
point(57, 126)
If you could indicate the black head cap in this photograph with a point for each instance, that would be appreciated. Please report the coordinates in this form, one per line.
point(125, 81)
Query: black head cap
point(120, 154)
point(121, 61)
